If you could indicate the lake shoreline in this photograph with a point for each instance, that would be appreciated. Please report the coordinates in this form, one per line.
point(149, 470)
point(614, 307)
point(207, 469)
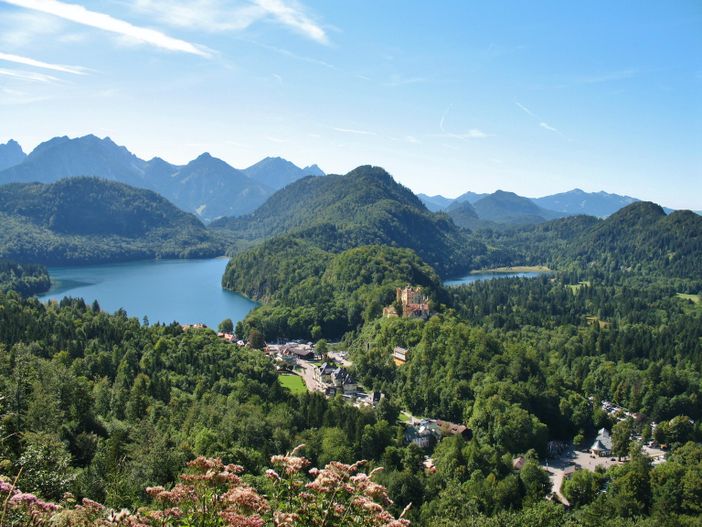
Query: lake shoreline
point(164, 290)
point(514, 269)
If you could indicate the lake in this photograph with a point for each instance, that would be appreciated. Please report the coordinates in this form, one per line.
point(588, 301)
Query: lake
point(187, 291)
point(477, 277)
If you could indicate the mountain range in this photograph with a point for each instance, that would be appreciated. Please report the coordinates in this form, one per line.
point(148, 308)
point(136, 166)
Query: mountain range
point(599, 204)
point(207, 186)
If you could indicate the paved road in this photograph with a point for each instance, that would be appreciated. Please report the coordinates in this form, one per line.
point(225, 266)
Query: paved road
point(307, 374)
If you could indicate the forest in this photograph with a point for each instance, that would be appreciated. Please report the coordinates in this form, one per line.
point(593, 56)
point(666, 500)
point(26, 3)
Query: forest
point(104, 406)
point(89, 220)
point(26, 279)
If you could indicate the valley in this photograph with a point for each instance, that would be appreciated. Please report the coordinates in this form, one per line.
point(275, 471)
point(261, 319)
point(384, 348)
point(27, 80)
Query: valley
point(506, 324)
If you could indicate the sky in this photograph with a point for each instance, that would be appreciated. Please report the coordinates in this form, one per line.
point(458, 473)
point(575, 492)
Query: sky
point(535, 97)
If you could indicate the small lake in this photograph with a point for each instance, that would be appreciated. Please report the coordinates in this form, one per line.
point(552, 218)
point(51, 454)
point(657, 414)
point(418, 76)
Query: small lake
point(478, 277)
point(187, 291)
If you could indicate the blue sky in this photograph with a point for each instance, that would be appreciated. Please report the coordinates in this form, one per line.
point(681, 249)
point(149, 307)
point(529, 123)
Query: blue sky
point(535, 97)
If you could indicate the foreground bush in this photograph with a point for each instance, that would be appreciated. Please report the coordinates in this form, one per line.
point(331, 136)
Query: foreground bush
point(213, 494)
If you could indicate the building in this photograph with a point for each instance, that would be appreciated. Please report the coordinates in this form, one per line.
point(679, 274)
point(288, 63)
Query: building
point(343, 381)
point(603, 443)
point(414, 303)
point(424, 435)
point(335, 380)
point(399, 355)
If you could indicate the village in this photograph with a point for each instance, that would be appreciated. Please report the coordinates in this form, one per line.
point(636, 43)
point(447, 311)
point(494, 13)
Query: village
point(325, 369)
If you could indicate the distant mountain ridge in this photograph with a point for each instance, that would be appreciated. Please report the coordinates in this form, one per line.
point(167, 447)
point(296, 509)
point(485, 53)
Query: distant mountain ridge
point(573, 202)
point(206, 186)
point(11, 154)
point(91, 220)
point(276, 172)
point(600, 204)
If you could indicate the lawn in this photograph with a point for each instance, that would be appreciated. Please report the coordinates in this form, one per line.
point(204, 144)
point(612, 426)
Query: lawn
point(294, 383)
point(575, 287)
point(695, 299)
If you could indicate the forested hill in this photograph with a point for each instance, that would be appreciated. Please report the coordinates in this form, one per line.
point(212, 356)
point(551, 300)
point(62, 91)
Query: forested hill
point(26, 279)
point(365, 206)
point(641, 237)
point(88, 220)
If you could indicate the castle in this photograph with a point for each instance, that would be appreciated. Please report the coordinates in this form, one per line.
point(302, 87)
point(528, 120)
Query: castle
point(415, 304)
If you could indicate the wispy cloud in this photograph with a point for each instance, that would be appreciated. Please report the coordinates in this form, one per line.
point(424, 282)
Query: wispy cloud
point(473, 133)
point(548, 127)
point(81, 15)
point(353, 131)
point(19, 28)
point(397, 80)
point(206, 15)
point(222, 15)
point(27, 61)
point(288, 53)
point(31, 76)
point(527, 110)
point(542, 124)
point(295, 18)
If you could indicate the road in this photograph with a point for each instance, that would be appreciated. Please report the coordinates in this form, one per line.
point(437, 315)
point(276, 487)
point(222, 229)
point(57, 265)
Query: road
point(307, 374)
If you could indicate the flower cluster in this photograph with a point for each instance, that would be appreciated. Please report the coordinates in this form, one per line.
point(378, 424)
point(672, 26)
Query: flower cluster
point(212, 494)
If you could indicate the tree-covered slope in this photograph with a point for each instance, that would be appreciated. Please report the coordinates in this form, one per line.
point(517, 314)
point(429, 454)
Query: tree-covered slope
point(26, 279)
point(508, 207)
point(464, 215)
point(81, 220)
point(642, 237)
point(312, 293)
point(366, 206)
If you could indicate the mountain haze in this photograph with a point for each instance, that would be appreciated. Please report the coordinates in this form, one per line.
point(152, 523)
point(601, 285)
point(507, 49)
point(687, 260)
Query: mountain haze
point(435, 203)
point(576, 201)
point(11, 154)
point(206, 186)
point(276, 172)
point(509, 208)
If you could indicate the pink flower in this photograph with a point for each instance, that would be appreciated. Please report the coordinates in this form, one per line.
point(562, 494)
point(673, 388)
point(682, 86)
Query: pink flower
point(233, 519)
point(23, 498)
point(272, 474)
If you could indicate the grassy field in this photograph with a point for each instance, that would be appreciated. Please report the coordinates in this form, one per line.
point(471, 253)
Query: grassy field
point(293, 383)
point(695, 299)
point(515, 269)
point(575, 287)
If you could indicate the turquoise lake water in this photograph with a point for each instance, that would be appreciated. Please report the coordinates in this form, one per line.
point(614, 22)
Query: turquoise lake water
point(187, 291)
point(489, 276)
